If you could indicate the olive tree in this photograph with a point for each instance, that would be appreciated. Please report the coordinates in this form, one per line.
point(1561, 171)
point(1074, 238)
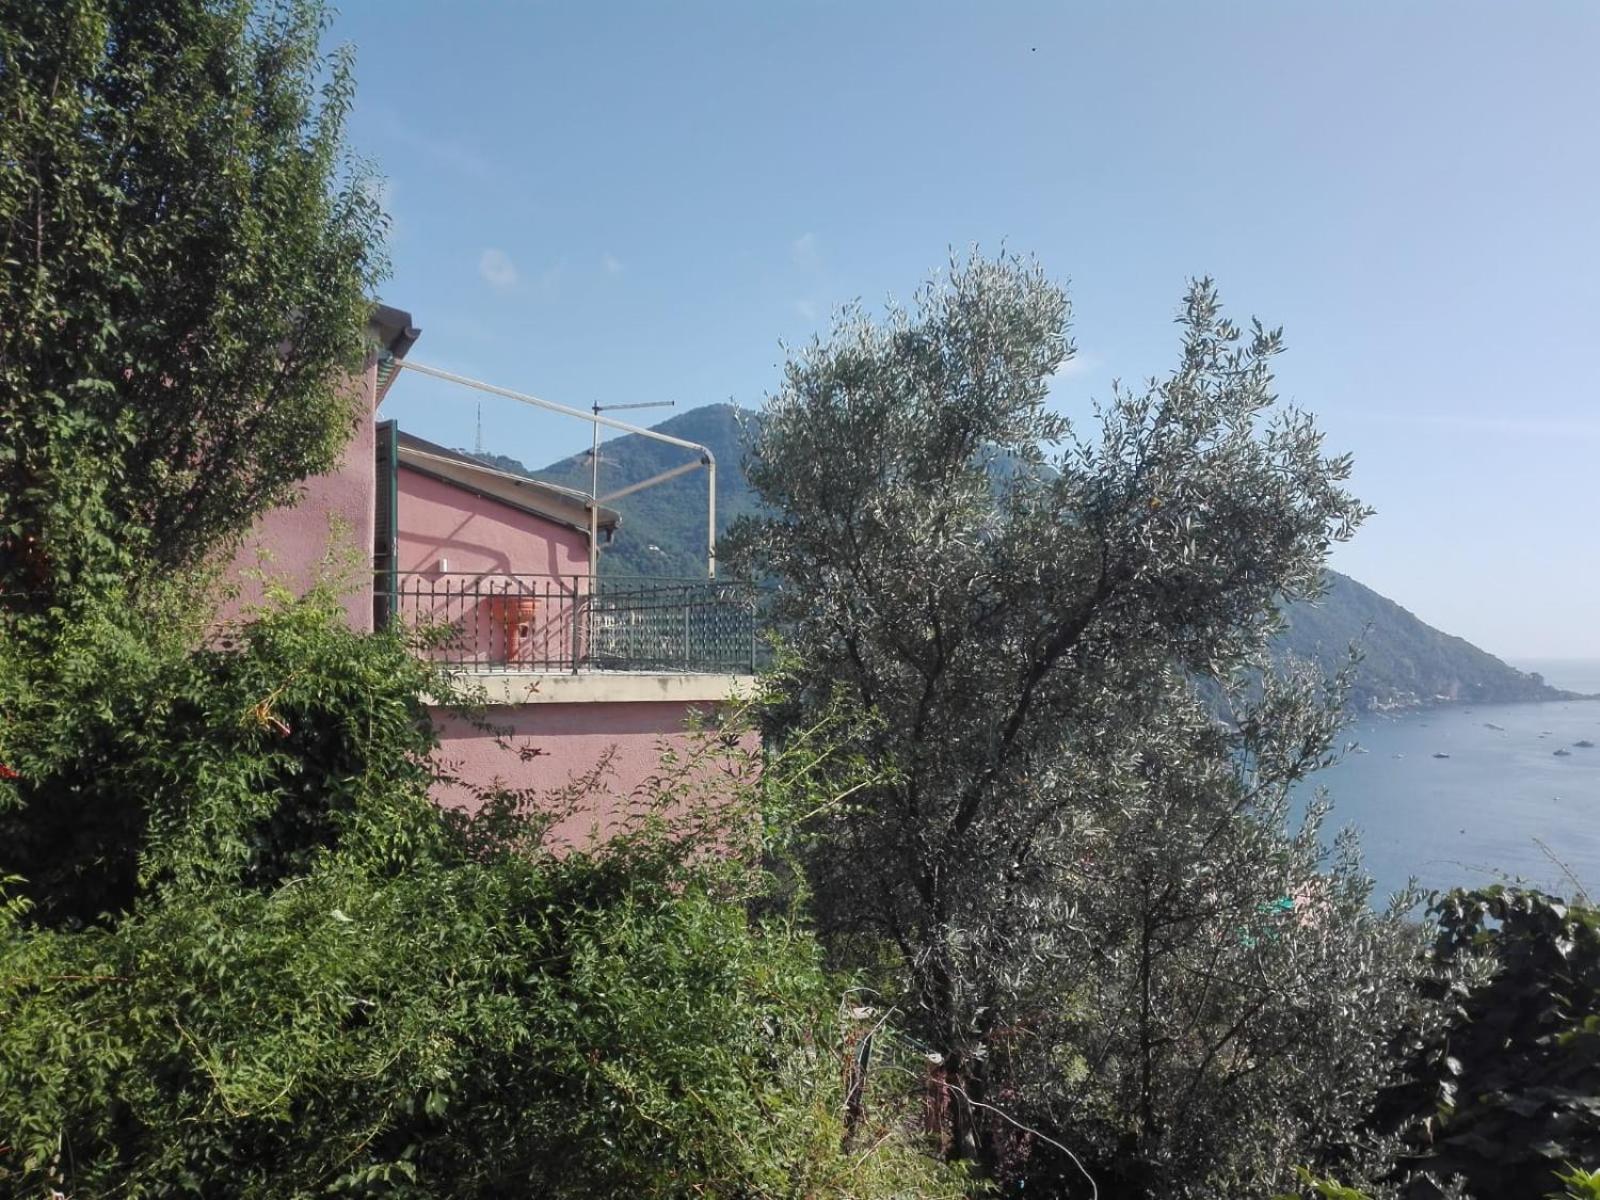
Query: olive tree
point(186, 261)
point(1022, 606)
point(1224, 994)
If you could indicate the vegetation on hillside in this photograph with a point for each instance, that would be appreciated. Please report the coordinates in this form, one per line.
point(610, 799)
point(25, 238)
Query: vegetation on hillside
point(663, 530)
point(1404, 662)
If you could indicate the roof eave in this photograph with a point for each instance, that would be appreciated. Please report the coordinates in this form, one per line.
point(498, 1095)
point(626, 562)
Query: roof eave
point(421, 462)
point(395, 335)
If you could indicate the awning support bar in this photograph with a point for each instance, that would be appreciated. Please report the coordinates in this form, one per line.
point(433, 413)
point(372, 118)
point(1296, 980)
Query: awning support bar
point(707, 460)
point(651, 482)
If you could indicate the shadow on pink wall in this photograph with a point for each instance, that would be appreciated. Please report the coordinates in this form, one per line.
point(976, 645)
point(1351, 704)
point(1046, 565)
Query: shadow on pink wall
point(546, 747)
point(333, 522)
point(475, 533)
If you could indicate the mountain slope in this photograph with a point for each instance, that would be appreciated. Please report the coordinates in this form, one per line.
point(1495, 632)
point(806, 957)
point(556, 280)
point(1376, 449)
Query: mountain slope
point(663, 530)
point(1407, 663)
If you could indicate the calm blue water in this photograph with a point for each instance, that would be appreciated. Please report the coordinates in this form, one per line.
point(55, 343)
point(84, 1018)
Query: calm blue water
point(1478, 815)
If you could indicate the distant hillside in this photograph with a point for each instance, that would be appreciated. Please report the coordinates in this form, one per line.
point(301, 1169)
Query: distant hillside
point(1407, 663)
point(663, 530)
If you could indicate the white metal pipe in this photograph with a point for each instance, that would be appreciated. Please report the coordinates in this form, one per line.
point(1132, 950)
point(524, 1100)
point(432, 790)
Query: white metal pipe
point(711, 516)
point(406, 364)
point(651, 482)
point(610, 423)
point(594, 504)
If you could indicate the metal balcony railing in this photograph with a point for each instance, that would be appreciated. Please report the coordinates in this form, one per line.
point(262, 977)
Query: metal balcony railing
point(546, 623)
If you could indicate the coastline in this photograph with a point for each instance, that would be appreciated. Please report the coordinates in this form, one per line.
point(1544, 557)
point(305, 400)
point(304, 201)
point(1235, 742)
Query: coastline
point(1406, 707)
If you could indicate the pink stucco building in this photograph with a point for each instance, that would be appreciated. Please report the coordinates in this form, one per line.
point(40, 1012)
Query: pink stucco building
point(570, 669)
point(331, 528)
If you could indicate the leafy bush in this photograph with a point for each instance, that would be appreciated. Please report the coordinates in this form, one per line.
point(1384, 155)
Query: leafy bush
point(186, 266)
point(1578, 1184)
point(138, 759)
point(579, 1028)
point(316, 982)
point(1506, 1091)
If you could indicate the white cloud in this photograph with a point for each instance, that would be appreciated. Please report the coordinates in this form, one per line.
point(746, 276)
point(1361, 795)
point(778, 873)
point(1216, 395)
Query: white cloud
point(1076, 367)
point(805, 251)
point(611, 264)
point(497, 269)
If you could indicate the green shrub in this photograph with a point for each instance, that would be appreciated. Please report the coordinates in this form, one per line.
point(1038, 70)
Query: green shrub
point(574, 1028)
point(317, 983)
point(1504, 1090)
point(137, 759)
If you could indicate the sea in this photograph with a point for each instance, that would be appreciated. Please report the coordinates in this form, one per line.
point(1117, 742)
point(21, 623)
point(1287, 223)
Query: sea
point(1477, 794)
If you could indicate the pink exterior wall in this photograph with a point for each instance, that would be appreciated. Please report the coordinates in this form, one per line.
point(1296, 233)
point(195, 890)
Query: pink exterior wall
point(335, 512)
point(571, 740)
point(477, 534)
point(495, 554)
point(491, 549)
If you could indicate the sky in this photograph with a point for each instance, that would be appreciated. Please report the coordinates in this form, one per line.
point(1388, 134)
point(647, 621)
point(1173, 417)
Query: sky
point(624, 203)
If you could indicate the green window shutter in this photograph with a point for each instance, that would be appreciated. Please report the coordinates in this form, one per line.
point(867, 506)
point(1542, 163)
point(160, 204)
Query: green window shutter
point(386, 551)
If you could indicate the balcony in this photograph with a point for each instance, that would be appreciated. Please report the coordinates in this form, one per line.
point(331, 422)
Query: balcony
point(511, 624)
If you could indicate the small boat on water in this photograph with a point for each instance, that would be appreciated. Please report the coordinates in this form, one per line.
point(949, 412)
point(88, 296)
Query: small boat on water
point(1563, 753)
point(1584, 744)
point(1440, 754)
point(1492, 725)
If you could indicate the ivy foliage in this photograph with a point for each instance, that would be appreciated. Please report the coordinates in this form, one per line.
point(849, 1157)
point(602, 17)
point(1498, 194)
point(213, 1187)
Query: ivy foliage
point(186, 261)
point(1506, 1092)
